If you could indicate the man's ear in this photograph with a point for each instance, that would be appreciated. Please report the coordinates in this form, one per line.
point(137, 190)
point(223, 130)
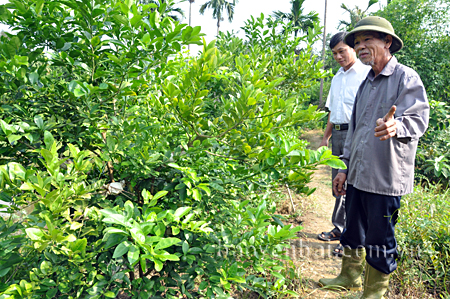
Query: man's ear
point(388, 41)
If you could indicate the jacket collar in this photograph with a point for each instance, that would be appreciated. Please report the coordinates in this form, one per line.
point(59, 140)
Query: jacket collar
point(387, 71)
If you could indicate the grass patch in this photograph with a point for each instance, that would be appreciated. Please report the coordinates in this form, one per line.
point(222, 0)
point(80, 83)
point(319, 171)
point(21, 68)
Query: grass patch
point(423, 235)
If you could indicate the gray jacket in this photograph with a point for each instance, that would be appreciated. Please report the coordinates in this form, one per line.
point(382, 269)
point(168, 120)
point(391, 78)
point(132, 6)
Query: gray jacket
point(386, 167)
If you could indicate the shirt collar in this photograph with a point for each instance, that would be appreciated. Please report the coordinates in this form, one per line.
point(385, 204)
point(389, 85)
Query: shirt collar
point(387, 70)
point(356, 67)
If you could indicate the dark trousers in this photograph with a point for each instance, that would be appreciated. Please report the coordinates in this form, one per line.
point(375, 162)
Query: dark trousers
point(337, 148)
point(371, 219)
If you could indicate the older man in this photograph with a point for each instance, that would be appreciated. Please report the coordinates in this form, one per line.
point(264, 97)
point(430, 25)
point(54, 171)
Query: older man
point(390, 114)
point(340, 101)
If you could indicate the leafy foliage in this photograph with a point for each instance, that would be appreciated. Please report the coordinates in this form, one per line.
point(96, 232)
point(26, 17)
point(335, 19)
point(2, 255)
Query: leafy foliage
point(432, 159)
point(145, 170)
point(423, 27)
point(423, 238)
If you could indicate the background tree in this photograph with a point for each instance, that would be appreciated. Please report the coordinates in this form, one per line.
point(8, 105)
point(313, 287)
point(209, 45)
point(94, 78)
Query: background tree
point(356, 14)
point(175, 13)
point(299, 20)
point(220, 8)
point(423, 25)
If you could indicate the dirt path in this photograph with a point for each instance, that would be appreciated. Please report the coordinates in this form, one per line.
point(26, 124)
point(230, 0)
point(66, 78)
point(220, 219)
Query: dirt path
point(311, 256)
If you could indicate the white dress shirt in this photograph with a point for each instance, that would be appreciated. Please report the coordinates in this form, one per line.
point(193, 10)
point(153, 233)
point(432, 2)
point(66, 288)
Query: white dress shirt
point(343, 90)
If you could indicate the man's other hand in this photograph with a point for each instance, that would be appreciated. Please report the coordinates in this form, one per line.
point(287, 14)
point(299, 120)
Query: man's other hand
point(338, 184)
point(387, 126)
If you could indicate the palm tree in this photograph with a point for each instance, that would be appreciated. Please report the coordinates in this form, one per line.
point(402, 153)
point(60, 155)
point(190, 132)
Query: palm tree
point(219, 8)
point(356, 14)
point(296, 16)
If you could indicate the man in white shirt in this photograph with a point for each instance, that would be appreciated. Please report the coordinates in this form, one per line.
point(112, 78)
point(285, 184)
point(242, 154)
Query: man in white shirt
point(340, 101)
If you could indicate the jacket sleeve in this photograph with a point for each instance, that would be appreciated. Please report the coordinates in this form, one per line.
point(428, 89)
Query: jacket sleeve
point(412, 109)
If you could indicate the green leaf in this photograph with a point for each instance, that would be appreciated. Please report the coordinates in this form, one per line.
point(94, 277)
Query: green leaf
point(167, 242)
point(185, 247)
point(79, 245)
point(133, 254)
point(135, 21)
point(12, 138)
point(79, 92)
point(251, 101)
point(158, 265)
point(111, 216)
point(167, 257)
point(50, 294)
point(121, 249)
point(45, 267)
point(7, 129)
point(39, 6)
point(21, 60)
point(39, 122)
point(205, 188)
point(203, 285)
point(5, 271)
point(95, 41)
point(196, 194)
point(34, 234)
point(75, 225)
point(160, 194)
point(48, 156)
point(237, 279)
point(121, 19)
point(110, 294)
point(180, 212)
point(34, 78)
point(146, 38)
point(137, 234)
point(48, 139)
point(335, 163)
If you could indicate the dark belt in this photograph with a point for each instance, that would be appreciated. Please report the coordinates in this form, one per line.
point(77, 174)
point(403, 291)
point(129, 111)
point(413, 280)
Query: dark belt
point(340, 127)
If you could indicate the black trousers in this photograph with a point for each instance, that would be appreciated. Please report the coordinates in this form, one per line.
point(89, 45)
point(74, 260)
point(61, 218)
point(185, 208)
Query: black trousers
point(370, 223)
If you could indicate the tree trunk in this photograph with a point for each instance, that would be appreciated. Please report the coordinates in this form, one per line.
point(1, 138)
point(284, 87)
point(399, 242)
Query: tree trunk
point(218, 26)
point(190, 9)
point(323, 51)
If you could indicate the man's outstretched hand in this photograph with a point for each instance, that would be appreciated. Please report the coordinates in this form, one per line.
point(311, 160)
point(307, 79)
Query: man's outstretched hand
point(386, 127)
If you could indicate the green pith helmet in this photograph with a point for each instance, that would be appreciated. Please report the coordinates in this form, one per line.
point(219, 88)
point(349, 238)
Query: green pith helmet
point(377, 24)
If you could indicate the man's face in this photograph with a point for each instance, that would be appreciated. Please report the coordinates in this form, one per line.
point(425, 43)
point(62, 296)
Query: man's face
point(344, 55)
point(370, 48)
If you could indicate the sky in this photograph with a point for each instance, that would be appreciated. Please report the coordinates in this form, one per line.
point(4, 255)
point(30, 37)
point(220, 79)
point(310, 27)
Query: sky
point(246, 8)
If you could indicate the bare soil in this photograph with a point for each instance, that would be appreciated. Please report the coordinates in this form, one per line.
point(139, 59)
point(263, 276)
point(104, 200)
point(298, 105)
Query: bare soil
point(312, 257)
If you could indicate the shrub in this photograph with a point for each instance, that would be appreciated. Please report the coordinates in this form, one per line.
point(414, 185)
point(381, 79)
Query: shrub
point(144, 165)
point(432, 159)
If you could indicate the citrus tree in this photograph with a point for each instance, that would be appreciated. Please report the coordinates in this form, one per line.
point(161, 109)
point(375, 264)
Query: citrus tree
point(128, 166)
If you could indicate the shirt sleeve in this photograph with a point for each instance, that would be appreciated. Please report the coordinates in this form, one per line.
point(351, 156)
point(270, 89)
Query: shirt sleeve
point(327, 104)
point(345, 157)
point(412, 111)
